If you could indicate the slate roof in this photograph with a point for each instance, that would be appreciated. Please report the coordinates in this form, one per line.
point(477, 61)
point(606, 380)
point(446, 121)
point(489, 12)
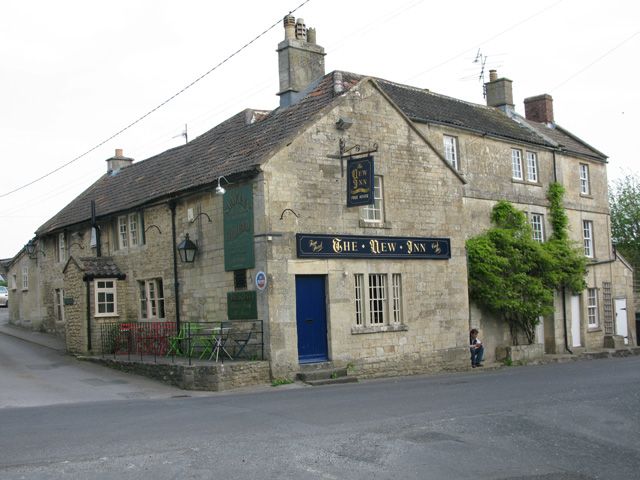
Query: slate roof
point(241, 143)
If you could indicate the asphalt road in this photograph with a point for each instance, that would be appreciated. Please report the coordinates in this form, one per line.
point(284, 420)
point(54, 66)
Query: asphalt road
point(575, 421)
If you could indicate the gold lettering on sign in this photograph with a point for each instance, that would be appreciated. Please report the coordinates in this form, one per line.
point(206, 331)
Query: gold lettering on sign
point(359, 180)
point(436, 247)
point(378, 247)
point(340, 246)
point(416, 247)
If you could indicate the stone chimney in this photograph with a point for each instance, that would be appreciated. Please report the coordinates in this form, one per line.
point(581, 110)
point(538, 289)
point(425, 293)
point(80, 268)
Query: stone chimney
point(499, 92)
point(300, 60)
point(539, 109)
point(118, 162)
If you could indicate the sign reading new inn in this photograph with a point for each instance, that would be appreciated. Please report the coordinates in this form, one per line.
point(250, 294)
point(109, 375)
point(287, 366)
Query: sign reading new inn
point(238, 228)
point(357, 246)
point(360, 181)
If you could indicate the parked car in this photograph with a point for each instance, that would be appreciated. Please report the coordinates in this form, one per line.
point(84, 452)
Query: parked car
point(4, 297)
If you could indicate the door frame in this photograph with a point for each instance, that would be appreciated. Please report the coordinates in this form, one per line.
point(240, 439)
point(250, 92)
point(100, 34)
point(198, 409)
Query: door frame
point(322, 354)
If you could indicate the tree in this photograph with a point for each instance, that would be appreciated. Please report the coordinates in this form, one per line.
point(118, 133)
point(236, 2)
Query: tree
point(624, 202)
point(507, 272)
point(513, 276)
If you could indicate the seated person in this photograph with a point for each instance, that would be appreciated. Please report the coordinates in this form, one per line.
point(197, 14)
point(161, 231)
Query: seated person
point(476, 348)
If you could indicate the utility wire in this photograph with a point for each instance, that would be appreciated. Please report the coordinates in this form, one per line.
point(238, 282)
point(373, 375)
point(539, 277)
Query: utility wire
point(595, 61)
point(153, 109)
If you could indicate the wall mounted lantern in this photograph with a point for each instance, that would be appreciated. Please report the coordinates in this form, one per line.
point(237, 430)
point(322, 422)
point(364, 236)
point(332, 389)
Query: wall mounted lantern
point(220, 190)
point(187, 250)
point(32, 249)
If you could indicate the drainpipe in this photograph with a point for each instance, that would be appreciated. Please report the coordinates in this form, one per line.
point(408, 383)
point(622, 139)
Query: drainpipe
point(176, 285)
point(564, 320)
point(88, 314)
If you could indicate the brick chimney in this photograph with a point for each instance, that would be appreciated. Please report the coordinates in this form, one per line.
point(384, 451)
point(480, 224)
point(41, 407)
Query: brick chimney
point(300, 60)
point(539, 108)
point(499, 92)
point(118, 162)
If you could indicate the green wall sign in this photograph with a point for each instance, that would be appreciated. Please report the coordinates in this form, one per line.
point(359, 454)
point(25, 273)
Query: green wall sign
point(242, 305)
point(238, 228)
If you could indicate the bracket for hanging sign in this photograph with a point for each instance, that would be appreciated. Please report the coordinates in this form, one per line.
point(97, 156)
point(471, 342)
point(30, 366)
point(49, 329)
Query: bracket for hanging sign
point(354, 151)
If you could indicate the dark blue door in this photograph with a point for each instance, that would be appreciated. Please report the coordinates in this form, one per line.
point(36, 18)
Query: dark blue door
point(311, 318)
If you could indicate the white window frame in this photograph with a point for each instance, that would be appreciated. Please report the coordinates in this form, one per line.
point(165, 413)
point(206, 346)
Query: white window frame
point(14, 281)
point(152, 306)
point(378, 303)
point(128, 230)
point(537, 226)
point(592, 307)
point(451, 150)
point(378, 299)
point(516, 164)
point(105, 293)
point(359, 296)
point(532, 167)
point(374, 213)
point(585, 187)
point(62, 247)
point(587, 237)
point(396, 298)
point(25, 277)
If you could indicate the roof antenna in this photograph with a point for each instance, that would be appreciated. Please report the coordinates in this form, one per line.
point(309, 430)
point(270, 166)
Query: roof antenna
point(183, 134)
point(482, 60)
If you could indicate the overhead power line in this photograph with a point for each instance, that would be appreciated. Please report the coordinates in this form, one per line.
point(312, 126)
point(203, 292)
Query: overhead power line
point(122, 130)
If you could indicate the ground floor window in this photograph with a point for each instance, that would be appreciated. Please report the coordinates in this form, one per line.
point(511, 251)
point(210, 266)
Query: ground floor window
point(592, 307)
point(372, 294)
point(105, 298)
point(59, 304)
point(151, 299)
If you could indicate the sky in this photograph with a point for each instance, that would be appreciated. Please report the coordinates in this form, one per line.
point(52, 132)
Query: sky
point(79, 79)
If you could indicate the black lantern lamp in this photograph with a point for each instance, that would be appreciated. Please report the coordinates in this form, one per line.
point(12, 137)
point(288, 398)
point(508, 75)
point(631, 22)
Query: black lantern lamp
point(30, 248)
point(187, 250)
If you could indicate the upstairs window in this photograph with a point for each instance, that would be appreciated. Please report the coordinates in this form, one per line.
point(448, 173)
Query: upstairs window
point(516, 164)
point(451, 150)
point(25, 277)
point(587, 237)
point(537, 226)
point(61, 251)
point(585, 188)
point(374, 213)
point(129, 230)
point(532, 167)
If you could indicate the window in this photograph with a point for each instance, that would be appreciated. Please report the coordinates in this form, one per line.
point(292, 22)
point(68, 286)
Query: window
point(25, 277)
point(129, 231)
point(374, 213)
point(372, 300)
point(14, 281)
point(62, 248)
point(240, 279)
point(537, 226)
point(105, 298)
point(592, 307)
point(59, 304)
point(587, 236)
point(532, 167)
point(451, 150)
point(151, 299)
point(584, 179)
point(516, 163)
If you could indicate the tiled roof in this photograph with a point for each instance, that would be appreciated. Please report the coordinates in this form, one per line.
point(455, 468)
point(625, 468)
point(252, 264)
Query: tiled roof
point(100, 267)
point(566, 141)
point(244, 141)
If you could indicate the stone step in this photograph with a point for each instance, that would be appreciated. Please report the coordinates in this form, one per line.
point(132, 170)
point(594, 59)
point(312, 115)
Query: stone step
point(323, 374)
point(331, 381)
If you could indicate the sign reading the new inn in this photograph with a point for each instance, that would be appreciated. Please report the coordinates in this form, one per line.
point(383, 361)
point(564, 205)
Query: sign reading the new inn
point(360, 182)
point(356, 246)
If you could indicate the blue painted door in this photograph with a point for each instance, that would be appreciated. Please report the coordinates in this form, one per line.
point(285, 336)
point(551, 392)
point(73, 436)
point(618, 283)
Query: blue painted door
point(311, 318)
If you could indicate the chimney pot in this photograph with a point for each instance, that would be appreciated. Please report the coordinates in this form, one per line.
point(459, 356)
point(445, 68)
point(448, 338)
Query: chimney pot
point(311, 35)
point(493, 75)
point(118, 152)
point(289, 27)
point(539, 108)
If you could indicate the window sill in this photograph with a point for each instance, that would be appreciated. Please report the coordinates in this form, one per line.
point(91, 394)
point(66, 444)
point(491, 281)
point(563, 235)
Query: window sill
point(106, 315)
point(526, 182)
point(594, 329)
point(364, 224)
point(586, 195)
point(25, 289)
point(379, 329)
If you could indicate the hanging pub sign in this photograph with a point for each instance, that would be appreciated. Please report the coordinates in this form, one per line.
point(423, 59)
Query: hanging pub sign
point(357, 246)
point(360, 181)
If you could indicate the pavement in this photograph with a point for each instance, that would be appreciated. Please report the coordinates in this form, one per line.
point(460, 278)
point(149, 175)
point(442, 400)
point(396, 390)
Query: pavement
point(56, 343)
